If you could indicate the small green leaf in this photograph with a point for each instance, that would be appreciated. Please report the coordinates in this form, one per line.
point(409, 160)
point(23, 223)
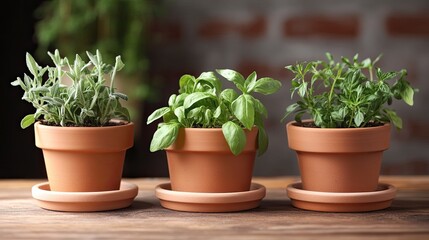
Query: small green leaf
point(121, 113)
point(27, 121)
point(250, 82)
point(164, 136)
point(267, 86)
point(180, 114)
point(262, 141)
point(172, 100)
point(259, 107)
point(118, 63)
point(158, 114)
point(234, 136)
point(193, 98)
point(31, 64)
point(290, 109)
point(244, 110)
point(408, 94)
point(233, 76)
point(302, 90)
point(211, 79)
point(366, 63)
point(120, 95)
point(92, 58)
point(394, 118)
point(217, 113)
point(229, 95)
point(359, 118)
point(186, 83)
point(17, 82)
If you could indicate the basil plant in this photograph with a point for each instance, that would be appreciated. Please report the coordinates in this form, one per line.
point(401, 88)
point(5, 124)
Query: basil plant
point(202, 103)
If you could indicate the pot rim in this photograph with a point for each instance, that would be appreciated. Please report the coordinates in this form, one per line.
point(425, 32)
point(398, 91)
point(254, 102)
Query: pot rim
point(127, 123)
point(292, 124)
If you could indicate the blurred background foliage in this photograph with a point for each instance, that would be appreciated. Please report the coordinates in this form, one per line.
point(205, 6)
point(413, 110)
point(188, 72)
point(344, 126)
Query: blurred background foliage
point(115, 27)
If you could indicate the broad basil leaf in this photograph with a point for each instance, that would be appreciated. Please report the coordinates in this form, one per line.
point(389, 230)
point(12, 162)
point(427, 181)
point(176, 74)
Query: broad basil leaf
point(158, 114)
point(193, 98)
point(267, 86)
point(164, 136)
point(234, 136)
point(233, 76)
point(229, 95)
point(244, 110)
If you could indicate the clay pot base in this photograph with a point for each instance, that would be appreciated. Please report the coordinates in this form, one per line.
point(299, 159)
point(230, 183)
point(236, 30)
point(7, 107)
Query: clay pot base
point(341, 202)
point(210, 202)
point(84, 201)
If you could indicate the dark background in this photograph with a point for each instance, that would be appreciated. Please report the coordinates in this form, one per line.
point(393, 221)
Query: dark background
point(246, 35)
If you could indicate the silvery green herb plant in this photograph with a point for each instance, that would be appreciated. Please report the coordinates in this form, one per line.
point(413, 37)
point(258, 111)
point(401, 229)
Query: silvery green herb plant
point(347, 94)
point(202, 103)
point(89, 100)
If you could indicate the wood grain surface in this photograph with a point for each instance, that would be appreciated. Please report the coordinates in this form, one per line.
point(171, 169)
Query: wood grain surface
point(407, 218)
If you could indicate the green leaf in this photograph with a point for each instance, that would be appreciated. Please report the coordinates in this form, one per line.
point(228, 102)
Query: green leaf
point(172, 100)
point(259, 107)
point(229, 95)
point(244, 110)
point(366, 63)
point(208, 116)
point(234, 136)
point(17, 82)
point(27, 121)
point(180, 114)
point(31, 64)
point(186, 83)
point(92, 58)
point(359, 118)
point(262, 141)
point(290, 109)
point(267, 86)
point(211, 79)
point(195, 113)
point(193, 98)
point(233, 76)
point(122, 113)
point(120, 95)
point(118, 63)
point(39, 90)
point(158, 114)
point(394, 118)
point(250, 82)
point(164, 136)
point(302, 90)
point(408, 94)
point(217, 113)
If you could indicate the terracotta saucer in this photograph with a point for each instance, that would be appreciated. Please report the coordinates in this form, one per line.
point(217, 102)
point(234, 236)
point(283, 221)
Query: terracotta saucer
point(84, 201)
point(341, 202)
point(210, 202)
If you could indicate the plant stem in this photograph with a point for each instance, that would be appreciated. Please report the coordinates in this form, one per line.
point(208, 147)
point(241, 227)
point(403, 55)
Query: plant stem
point(333, 86)
point(370, 73)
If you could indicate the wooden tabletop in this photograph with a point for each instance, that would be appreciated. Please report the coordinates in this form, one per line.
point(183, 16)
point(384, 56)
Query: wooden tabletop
point(407, 218)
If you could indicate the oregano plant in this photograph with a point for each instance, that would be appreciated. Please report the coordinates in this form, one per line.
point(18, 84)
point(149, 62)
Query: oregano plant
point(202, 103)
point(89, 99)
point(347, 93)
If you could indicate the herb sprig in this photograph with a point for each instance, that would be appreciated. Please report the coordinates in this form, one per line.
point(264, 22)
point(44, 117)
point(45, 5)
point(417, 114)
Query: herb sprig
point(90, 100)
point(347, 94)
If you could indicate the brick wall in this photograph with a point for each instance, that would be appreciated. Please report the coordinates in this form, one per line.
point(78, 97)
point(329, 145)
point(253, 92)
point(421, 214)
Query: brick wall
point(246, 35)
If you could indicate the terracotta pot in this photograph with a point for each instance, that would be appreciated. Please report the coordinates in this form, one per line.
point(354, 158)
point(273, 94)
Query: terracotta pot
point(339, 159)
point(84, 159)
point(200, 161)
